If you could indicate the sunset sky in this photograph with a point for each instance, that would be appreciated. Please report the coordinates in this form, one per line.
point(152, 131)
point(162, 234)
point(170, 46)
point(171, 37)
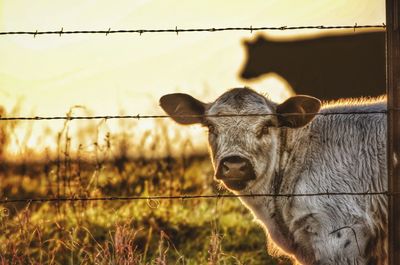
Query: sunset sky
point(128, 72)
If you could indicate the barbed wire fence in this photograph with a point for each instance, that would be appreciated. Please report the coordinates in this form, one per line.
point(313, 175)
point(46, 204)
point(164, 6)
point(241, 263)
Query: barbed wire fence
point(191, 197)
point(177, 30)
point(186, 197)
point(139, 116)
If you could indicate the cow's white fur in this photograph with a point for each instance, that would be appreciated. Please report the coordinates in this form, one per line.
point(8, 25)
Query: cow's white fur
point(336, 153)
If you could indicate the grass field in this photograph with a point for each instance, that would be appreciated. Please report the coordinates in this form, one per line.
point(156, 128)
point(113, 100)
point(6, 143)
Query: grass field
point(196, 231)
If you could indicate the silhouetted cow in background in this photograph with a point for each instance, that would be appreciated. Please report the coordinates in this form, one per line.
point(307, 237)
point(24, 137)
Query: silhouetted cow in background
point(328, 67)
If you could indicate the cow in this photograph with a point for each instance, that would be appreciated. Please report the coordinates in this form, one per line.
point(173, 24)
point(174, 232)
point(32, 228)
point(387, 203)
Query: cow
point(341, 66)
point(260, 147)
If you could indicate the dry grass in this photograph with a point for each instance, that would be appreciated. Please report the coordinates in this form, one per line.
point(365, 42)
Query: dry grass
point(114, 232)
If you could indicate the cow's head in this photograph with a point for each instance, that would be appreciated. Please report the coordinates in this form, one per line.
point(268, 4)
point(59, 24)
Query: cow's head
point(262, 56)
point(244, 148)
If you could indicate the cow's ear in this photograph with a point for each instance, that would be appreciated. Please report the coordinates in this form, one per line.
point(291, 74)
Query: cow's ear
point(260, 39)
point(179, 104)
point(297, 111)
point(246, 43)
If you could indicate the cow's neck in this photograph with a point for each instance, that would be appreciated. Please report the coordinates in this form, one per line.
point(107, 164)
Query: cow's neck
point(294, 145)
point(269, 209)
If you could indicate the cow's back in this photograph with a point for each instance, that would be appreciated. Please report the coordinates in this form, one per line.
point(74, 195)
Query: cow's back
point(327, 67)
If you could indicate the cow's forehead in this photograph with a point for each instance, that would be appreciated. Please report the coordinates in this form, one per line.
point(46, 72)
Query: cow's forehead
point(241, 100)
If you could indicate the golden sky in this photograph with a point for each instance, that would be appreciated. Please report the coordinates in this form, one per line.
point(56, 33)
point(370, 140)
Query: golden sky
point(108, 74)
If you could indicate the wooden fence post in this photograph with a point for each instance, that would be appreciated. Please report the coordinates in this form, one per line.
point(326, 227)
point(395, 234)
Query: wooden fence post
point(393, 118)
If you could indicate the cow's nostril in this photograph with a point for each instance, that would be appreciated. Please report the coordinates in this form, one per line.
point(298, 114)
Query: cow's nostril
point(225, 167)
point(243, 167)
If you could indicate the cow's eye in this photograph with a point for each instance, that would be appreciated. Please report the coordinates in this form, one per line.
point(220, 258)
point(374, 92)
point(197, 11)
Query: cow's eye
point(211, 128)
point(265, 129)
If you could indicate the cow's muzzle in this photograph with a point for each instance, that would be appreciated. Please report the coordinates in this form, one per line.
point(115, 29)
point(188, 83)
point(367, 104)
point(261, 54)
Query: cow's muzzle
point(235, 172)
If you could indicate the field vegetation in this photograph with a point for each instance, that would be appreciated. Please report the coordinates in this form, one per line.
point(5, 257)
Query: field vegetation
point(195, 231)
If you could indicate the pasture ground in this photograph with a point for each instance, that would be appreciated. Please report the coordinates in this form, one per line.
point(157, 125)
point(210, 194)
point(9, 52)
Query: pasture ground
point(198, 231)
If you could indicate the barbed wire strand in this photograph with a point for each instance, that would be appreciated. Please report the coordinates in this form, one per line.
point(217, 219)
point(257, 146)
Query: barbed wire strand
point(177, 30)
point(139, 116)
point(187, 197)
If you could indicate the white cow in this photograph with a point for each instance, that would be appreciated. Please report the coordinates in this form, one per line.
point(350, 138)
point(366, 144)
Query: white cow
point(299, 154)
